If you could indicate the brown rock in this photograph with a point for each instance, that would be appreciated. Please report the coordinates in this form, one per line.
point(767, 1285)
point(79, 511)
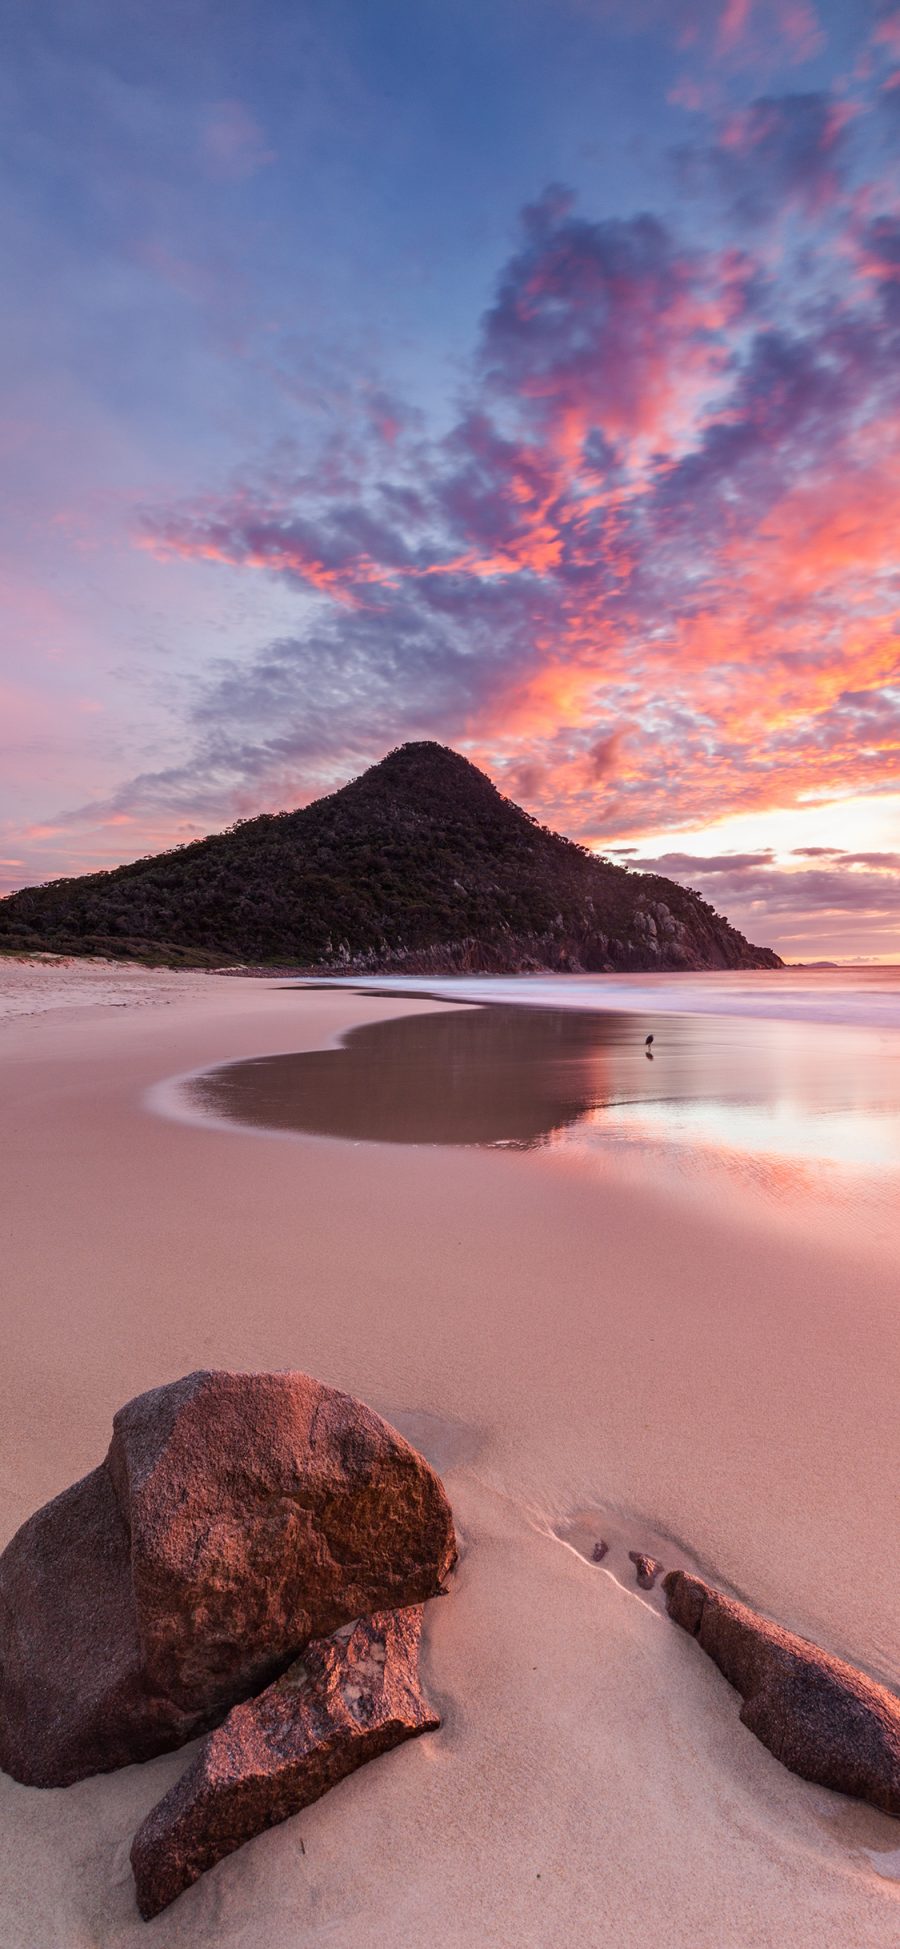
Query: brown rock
point(350, 1697)
point(235, 1517)
point(823, 1719)
point(646, 1569)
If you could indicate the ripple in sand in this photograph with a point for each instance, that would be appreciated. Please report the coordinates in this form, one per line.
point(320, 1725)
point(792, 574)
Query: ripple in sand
point(446, 1444)
point(627, 1549)
point(869, 1837)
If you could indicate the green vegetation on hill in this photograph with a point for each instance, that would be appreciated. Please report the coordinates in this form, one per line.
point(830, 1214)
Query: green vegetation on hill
point(419, 864)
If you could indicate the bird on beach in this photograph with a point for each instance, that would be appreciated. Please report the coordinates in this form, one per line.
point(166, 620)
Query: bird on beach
point(647, 1041)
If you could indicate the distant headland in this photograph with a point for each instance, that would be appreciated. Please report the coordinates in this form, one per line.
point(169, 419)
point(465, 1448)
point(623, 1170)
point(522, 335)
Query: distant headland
point(418, 866)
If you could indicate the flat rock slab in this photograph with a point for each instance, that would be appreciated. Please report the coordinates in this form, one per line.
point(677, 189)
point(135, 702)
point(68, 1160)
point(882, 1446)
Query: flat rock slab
point(820, 1717)
point(236, 1516)
point(351, 1696)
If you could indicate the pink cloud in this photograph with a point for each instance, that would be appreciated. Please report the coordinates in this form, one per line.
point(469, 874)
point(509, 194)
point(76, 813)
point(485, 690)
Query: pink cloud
point(668, 513)
point(733, 24)
point(887, 32)
point(232, 145)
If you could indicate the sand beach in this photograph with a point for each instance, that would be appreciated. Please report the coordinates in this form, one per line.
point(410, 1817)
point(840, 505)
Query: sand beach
point(576, 1350)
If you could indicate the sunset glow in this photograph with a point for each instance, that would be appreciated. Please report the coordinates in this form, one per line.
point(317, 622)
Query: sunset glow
point(584, 459)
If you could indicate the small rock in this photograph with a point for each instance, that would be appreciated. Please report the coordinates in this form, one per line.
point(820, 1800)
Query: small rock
point(599, 1551)
point(351, 1696)
point(647, 1569)
point(820, 1717)
point(235, 1517)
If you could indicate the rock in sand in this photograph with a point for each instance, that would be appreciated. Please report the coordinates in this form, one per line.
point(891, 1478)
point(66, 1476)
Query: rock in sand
point(350, 1697)
point(646, 1569)
point(235, 1517)
point(820, 1717)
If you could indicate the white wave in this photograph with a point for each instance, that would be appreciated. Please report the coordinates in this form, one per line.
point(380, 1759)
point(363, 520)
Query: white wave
point(857, 997)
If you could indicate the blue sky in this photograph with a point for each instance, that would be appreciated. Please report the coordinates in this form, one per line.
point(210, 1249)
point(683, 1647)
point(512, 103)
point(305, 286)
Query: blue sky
point(522, 375)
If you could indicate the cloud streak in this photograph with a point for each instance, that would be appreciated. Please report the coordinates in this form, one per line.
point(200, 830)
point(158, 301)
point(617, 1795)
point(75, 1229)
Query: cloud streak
point(664, 521)
point(640, 559)
point(827, 903)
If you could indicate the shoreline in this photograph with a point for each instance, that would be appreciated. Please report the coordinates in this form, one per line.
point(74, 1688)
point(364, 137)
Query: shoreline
point(560, 1344)
point(804, 988)
point(648, 990)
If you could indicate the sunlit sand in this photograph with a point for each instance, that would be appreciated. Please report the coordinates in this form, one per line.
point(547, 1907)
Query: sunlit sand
point(743, 1102)
point(593, 1326)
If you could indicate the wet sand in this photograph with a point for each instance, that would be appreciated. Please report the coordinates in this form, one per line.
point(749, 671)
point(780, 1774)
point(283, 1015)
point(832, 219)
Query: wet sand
point(572, 1349)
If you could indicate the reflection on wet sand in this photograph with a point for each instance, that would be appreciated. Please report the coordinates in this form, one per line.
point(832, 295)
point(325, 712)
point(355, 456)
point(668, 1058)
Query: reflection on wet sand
point(461, 1076)
point(780, 1091)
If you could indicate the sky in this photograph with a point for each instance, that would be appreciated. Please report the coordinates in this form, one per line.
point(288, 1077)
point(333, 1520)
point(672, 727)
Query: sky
point(523, 374)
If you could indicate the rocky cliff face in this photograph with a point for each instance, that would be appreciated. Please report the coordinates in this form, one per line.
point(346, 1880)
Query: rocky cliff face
point(652, 937)
point(419, 866)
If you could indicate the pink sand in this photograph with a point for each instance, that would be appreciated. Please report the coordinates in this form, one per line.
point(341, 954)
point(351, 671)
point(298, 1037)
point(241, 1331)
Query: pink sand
point(558, 1343)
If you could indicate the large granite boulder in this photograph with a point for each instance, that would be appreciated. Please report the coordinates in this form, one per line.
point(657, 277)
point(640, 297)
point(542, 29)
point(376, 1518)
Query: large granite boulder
point(350, 1697)
point(235, 1517)
point(823, 1719)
